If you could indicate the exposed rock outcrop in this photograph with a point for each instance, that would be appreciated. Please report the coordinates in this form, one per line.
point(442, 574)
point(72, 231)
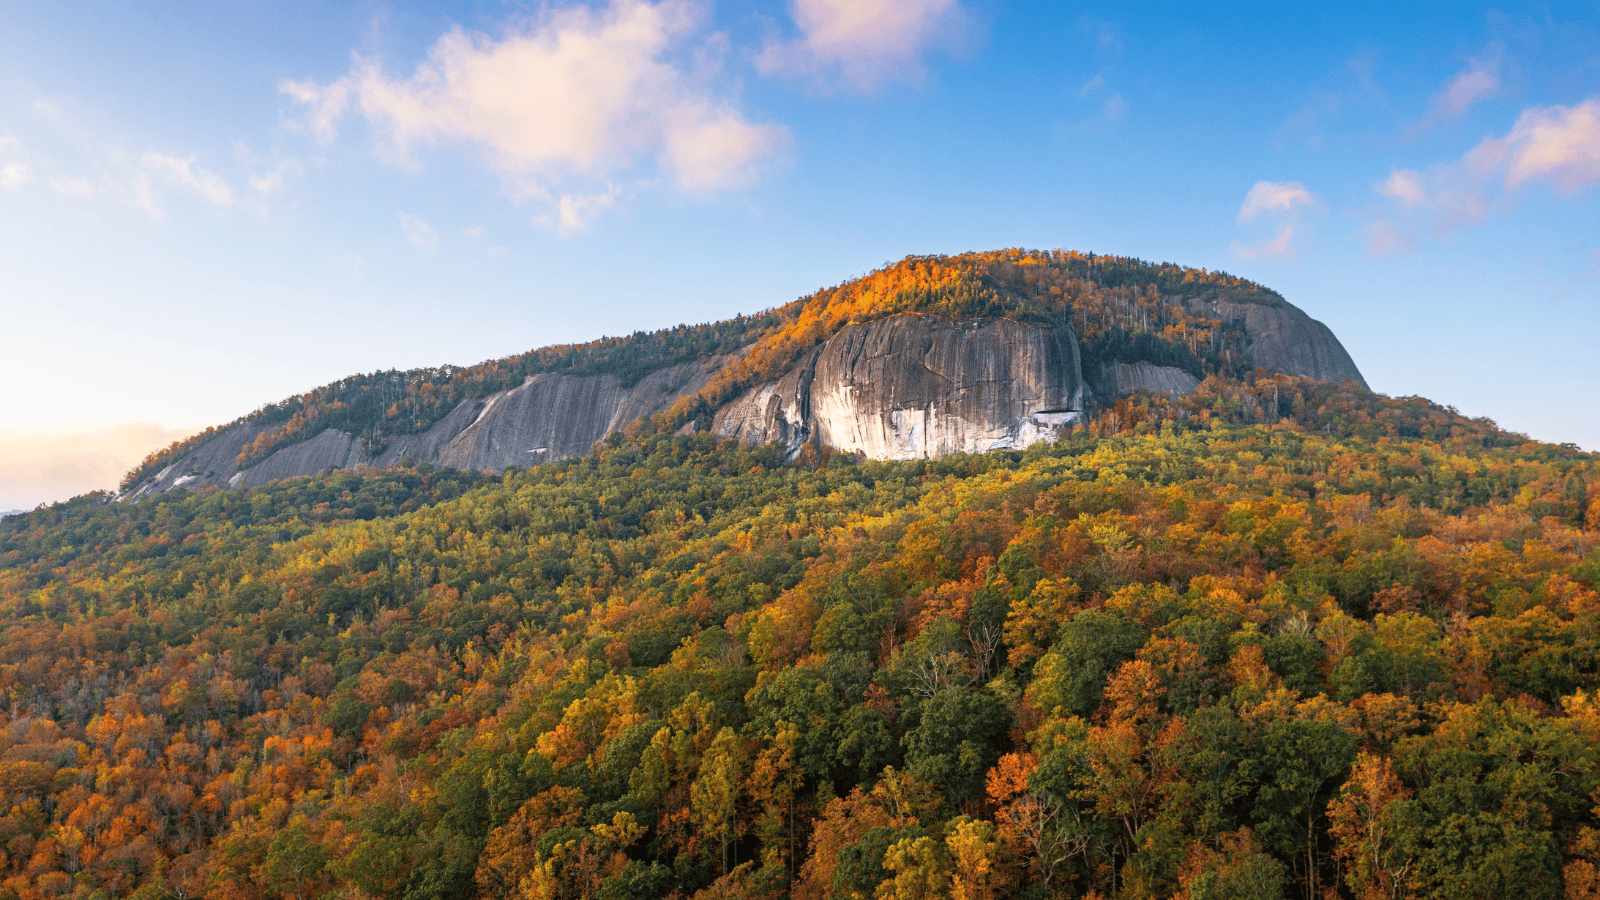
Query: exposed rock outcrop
point(1284, 339)
point(553, 417)
point(548, 417)
point(912, 387)
point(1125, 378)
point(331, 449)
point(214, 461)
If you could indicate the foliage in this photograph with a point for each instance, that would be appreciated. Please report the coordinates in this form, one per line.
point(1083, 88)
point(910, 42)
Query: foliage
point(1276, 638)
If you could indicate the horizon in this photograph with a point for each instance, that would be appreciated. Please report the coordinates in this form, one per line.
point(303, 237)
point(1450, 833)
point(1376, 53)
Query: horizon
point(209, 211)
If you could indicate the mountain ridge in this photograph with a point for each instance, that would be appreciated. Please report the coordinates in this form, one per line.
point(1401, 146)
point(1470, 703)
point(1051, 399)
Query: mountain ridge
point(1131, 324)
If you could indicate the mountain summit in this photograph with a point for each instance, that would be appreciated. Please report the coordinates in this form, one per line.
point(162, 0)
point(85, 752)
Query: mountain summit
point(924, 357)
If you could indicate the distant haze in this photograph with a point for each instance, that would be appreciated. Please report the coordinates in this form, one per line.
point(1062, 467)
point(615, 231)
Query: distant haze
point(38, 466)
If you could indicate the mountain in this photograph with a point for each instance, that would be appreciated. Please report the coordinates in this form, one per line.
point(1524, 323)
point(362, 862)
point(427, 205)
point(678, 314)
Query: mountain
point(929, 356)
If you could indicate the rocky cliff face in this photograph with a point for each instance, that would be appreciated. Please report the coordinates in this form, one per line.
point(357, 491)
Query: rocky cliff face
point(1285, 339)
point(904, 387)
point(913, 387)
point(548, 417)
point(1126, 378)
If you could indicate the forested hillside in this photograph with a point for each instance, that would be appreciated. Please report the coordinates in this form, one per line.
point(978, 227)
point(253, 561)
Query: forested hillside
point(1275, 638)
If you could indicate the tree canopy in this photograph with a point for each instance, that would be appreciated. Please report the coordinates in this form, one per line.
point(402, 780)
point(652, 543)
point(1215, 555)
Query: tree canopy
point(1276, 638)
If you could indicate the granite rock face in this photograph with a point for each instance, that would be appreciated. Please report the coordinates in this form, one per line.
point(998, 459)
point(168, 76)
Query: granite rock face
point(552, 417)
point(1125, 378)
point(548, 417)
point(213, 462)
point(1285, 339)
point(913, 387)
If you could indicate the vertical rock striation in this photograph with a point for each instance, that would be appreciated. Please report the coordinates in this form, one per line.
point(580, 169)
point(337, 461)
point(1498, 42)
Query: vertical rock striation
point(913, 387)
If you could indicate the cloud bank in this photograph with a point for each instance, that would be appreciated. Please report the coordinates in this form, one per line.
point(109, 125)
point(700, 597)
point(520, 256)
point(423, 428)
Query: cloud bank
point(564, 105)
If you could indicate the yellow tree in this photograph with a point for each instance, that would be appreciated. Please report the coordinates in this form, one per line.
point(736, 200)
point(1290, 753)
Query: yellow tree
point(1361, 826)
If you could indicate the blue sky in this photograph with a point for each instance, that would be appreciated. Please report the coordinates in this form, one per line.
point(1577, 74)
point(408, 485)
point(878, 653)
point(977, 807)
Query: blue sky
point(208, 207)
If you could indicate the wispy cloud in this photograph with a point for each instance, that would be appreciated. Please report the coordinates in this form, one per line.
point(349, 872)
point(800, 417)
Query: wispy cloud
point(572, 99)
point(275, 179)
point(1589, 274)
point(186, 174)
point(14, 171)
point(1554, 145)
point(574, 213)
point(1480, 81)
point(418, 232)
point(137, 181)
point(1112, 111)
point(1105, 47)
point(1288, 208)
point(864, 43)
point(72, 186)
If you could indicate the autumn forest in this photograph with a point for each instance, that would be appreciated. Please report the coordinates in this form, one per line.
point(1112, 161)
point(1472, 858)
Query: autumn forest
point(1278, 638)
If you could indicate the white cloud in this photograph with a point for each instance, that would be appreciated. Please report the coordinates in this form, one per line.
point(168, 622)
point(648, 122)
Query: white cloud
point(1386, 237)
point(1288, 208)
point(275, 179)
point(14, 175)
point(563, 104)
point(327, 104)
point(1556, 145)
point(184, 173)
point(1275, 197)
point(1405, 186)
point(15, 172)
point(867, 42)
point(139, 192)
point(1481, 81)
point(577, 212)
point(132, 180)
point(1478, 82)
point(1114, 110)
point(418, 232)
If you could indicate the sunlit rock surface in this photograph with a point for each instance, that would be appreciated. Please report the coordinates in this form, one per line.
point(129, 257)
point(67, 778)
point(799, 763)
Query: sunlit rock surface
point(913, 387)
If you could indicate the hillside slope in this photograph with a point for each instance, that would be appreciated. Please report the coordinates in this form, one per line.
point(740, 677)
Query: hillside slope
point(990, 351)
point(1269, 638)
